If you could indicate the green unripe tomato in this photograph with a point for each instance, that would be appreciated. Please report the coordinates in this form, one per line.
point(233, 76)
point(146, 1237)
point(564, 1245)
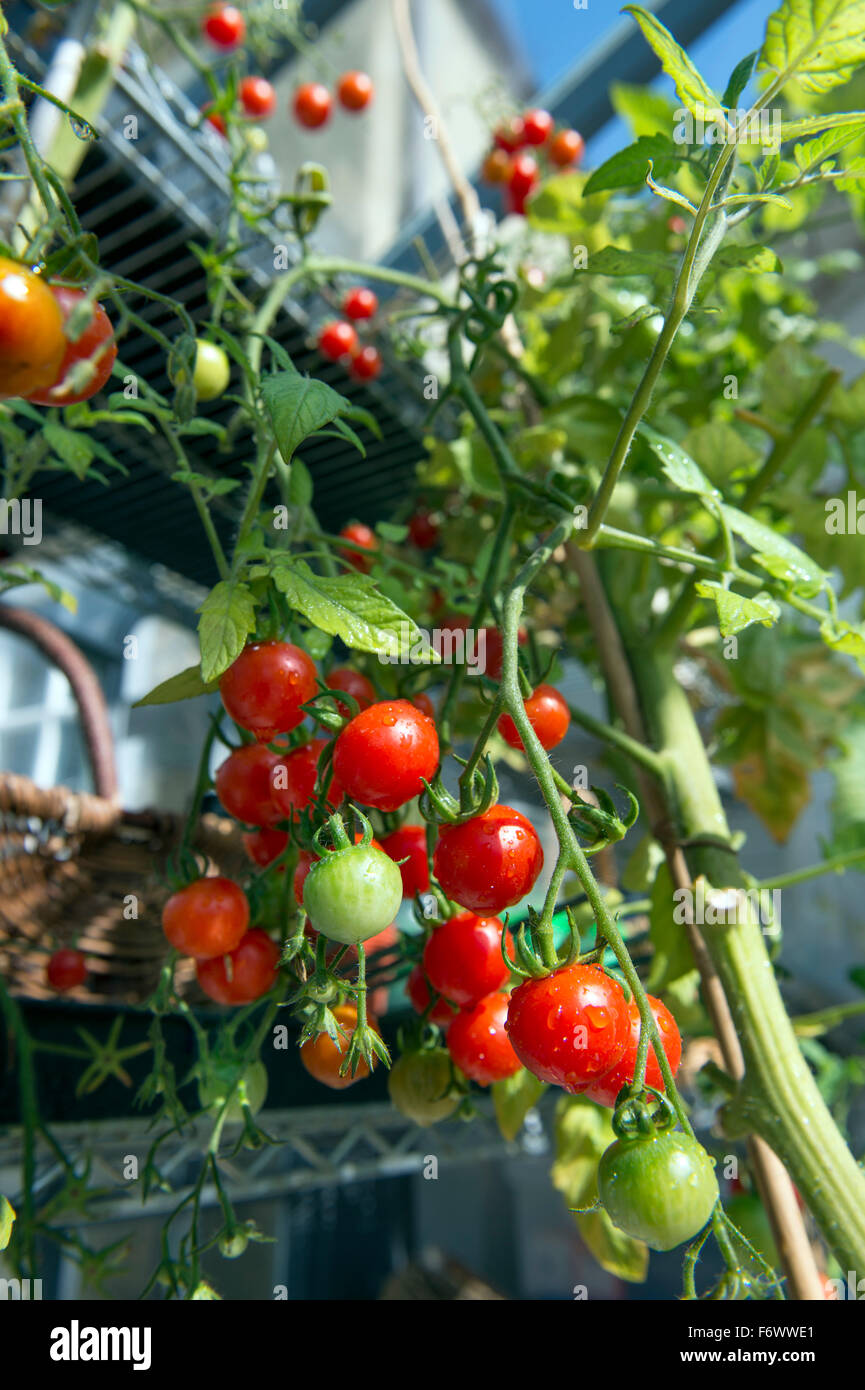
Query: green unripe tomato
point(659, 1188)
point(420, 1086)
point(212, 370)
point(213, 1091)
point(352, 894)
point(232, 1247)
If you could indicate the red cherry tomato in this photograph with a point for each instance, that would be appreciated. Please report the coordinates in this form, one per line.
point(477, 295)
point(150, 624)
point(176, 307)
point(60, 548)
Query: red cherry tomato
point(548, 715)
point(264, 688)
point(355, 90)
point(524, 175)
point(463, 958)
point(359, 534)
point(312, 105)
point(257, 97)
point(381, 756)
point(215, 119)
point(478, 1043)
point(423, 702)
point(225, 26)
point(496, 168)
point(423, 530)
point(244, 785)
point(494, 650)
point(360, 303)
point(566, 148)
point(511, 136)
point(608, 1087)
point(305, 861)
point(294, 777)
point(537, 126)
point(352, 682)
point(571, 1027)
point(366, 365)
point(206, 918)
point(263, 846)
point(489, 862)
point(677, 225)
point(417, 988)
point(409, 843)
point(337, 340)
point(95, 343)
point(244, 974)
point(66, 968)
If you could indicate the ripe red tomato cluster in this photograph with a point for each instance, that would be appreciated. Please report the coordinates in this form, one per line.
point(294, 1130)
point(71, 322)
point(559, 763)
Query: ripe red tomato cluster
point(338, 340)
point(511, 164)
point(313, 102)
point(209, 921)
point(37, 355)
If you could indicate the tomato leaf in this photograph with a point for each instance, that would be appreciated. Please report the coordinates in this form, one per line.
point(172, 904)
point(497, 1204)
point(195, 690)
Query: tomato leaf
point(678, 466)
point(820, 42)
point(348, 606)
point(299, 407)
point(513, 1098)
point(614, 1251)
point(775, 553)
point(693, 90)
point(735, 612)
point(227, 619)
point(628, 168)
point(186, 685)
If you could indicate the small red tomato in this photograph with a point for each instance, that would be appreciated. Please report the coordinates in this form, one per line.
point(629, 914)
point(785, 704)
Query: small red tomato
point(489, 862)
point(312, 105)
point(337, 340)
point(677, 225)
point(96, 342)
point(423, 531)
point(361, 535)
point(366, 365)
point(496, 168)
point(494, 648)
point(355, 90)
point(360, 303)
point(417, 989)
point(294, 775)
point(265, 687)
point(66, 968)
point(511, 136)
point(244, 974)
point(352, 682)
point(608, 1087)
point(305, 861)
point(463, 958)
point(571, 1027)
point(478, 1043)
point(263, 846)
point(215, 119)
point(566, 148)
point(257, 97)
point(382, 754)
point(548, 715)
point(244, 785)
point(423, 702)
point(409, 843)
point(537, 126)
point(225, 26)
point(524, 175)
point(206, 918)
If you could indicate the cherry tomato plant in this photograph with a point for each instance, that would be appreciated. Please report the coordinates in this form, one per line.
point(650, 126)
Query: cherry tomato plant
point(634, 407)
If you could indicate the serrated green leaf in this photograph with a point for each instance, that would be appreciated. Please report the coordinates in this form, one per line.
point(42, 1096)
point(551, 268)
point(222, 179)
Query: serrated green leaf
point(646, 111)
point(299, 407)
point(15, 576)
point(72, 446)
point(227, 619)
point(843, 637)
point(739, 79)
point(812, 154)
point(513, 1098)
point(760, 260)
point(677, 465)
point(820, 42)
point(618, 260)
point(735, 613)
point(810, 125)
point(693, 90)
point(628, 168)
point(346, 606)
point(186, 685)
point(780, 557)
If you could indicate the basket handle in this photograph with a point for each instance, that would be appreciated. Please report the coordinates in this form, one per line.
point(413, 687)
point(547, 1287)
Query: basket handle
point(64, 654)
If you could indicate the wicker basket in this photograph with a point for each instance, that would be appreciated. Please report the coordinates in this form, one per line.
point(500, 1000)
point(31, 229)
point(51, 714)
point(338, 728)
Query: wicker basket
point(75, 868)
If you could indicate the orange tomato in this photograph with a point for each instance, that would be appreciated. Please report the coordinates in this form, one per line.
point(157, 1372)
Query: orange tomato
point(323, 1059)
point(32, 343)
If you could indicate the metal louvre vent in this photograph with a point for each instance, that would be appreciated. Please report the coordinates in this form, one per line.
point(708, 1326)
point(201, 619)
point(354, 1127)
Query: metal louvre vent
point(146, 200)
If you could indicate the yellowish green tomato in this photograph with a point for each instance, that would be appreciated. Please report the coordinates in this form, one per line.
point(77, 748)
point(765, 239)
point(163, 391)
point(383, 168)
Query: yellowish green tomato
point(421, 1086)
point(212, 370)
point(213, 1091)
